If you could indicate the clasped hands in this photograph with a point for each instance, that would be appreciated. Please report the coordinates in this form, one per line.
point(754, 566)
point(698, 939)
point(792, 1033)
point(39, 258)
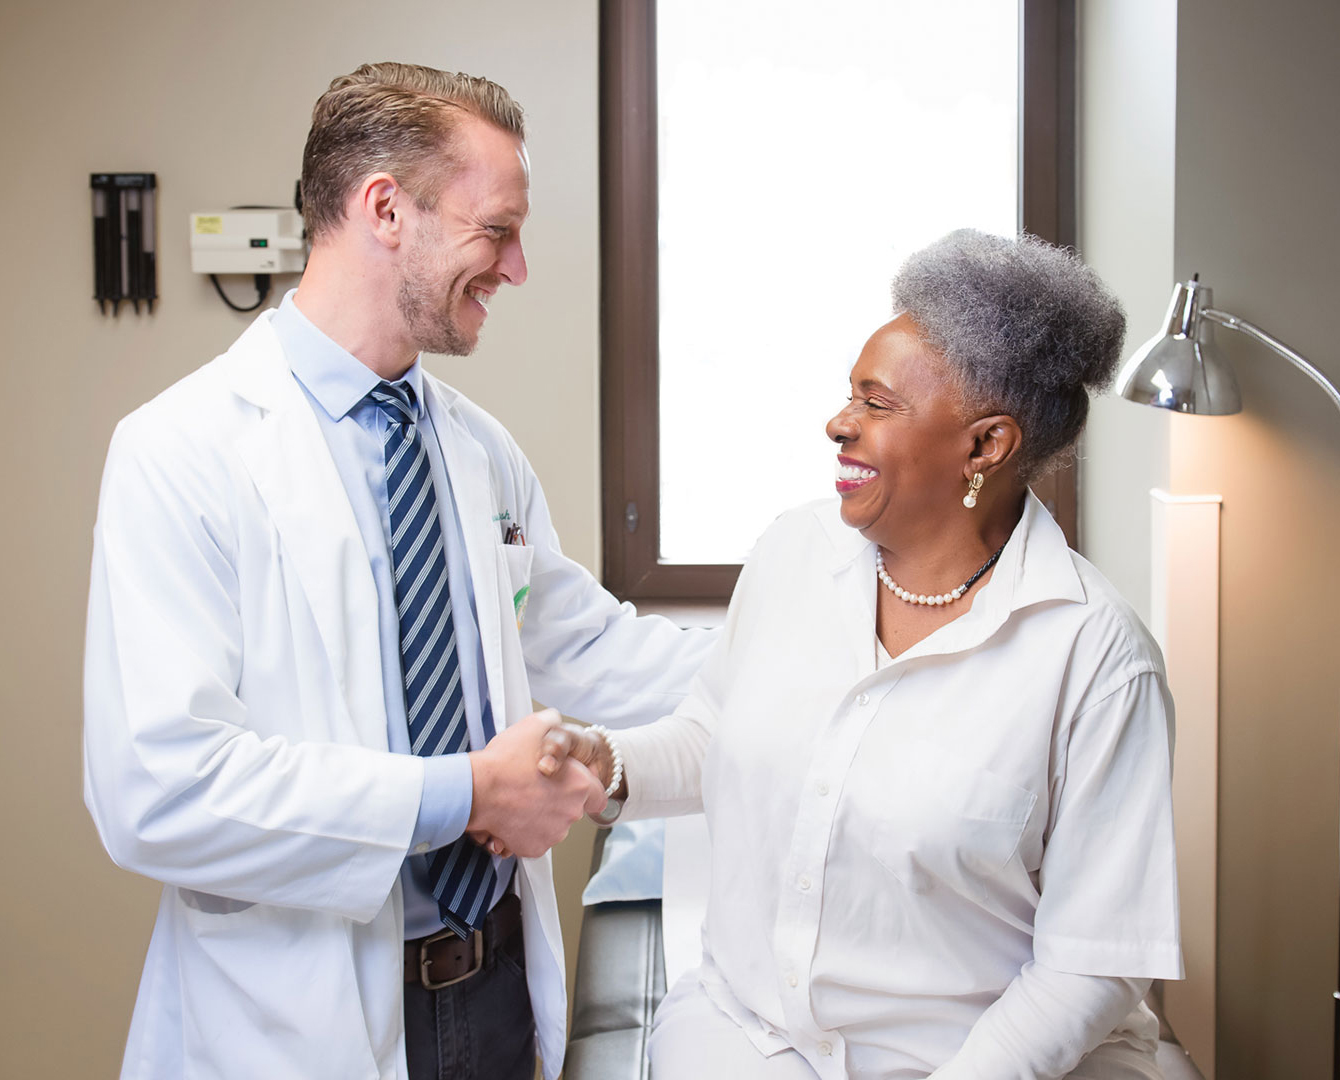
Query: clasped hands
point(532, 781)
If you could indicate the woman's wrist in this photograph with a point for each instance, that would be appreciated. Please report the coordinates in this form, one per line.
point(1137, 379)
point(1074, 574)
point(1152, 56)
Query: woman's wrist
point(609, 762)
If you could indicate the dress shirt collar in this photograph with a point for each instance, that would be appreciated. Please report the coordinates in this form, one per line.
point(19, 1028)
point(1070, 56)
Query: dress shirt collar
point(336, 378)
point(1035, 561)
point(1035, 566)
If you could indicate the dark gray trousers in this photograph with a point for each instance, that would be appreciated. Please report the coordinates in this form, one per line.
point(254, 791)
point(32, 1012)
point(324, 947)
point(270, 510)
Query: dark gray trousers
point(479, 1029)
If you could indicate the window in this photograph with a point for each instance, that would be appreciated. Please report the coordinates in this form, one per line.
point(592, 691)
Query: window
point(765, 167)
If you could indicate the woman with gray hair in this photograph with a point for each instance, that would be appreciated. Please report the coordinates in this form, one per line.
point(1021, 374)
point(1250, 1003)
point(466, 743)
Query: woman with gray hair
point(933, 743)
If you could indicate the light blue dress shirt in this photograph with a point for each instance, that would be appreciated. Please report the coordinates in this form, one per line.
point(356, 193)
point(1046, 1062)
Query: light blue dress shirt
point(336, 384)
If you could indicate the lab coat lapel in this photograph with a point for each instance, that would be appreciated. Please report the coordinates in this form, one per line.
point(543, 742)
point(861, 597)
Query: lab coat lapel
point(290, 464)
point(469, 471)
point(467, 466)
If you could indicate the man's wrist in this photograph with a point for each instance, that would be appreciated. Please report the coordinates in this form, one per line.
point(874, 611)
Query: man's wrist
point(481, 775)
point(445, 802)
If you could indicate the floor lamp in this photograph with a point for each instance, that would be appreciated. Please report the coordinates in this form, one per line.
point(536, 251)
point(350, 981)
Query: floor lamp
point(1181, 369)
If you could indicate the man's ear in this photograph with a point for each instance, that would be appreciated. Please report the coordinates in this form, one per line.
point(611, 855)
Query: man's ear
point(996, 440)
point(379, 204)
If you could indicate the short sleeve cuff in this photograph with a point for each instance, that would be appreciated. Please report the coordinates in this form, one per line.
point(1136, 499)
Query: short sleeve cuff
point(1125, 960)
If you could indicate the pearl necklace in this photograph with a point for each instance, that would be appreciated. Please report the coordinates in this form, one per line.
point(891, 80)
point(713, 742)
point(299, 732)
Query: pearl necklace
point(931, 601)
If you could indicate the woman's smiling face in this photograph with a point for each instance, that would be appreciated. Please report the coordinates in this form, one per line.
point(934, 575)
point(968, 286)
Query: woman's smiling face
point(904, 443)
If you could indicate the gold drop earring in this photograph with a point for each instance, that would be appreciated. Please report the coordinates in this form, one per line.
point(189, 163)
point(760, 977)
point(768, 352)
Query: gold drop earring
point(974, 486)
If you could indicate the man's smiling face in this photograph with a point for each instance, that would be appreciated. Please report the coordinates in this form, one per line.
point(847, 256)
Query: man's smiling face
point(469, 244)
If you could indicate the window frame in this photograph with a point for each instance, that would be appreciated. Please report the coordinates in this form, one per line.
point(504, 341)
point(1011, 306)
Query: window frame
point(629, 288)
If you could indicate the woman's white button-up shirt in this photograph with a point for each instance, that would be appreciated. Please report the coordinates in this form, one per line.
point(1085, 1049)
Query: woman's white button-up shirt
point(892, 844)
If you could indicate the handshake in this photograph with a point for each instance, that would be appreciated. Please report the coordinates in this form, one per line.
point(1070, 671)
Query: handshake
point(532, 781)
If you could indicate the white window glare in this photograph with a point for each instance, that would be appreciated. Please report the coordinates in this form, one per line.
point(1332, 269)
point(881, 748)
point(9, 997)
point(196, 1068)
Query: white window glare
point(804, 150)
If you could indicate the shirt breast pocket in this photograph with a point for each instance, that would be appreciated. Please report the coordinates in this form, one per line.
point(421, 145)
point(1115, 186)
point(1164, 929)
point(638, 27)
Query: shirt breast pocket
point(947, 824)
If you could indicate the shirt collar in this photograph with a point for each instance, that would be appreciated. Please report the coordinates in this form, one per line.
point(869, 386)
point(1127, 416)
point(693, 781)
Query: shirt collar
point(1035, 565)
point(336, 378)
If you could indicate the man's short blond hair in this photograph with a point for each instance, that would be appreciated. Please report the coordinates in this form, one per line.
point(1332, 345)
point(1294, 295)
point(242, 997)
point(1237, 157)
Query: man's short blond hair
point(401, 119)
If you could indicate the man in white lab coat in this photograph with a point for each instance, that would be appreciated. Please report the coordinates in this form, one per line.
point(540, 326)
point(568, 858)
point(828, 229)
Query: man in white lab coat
point(260, 701)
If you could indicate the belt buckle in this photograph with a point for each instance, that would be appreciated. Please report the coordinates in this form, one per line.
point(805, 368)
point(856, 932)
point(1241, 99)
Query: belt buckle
point(425, 962)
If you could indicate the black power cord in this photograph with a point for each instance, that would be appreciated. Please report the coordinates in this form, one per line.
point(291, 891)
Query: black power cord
point(262, 292)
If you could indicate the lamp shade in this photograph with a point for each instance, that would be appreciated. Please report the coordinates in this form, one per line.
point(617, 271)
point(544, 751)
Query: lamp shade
point(1180, 368)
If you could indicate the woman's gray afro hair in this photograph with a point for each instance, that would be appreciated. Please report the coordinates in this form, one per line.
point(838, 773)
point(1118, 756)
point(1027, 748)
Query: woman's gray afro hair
point(1027, 330)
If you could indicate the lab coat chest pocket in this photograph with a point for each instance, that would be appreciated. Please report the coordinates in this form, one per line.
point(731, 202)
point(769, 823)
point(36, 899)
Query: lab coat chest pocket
point(948, 824)
point(517, 559)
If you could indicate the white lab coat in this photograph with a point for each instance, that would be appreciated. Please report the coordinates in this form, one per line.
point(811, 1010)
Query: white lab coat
point(235, 730)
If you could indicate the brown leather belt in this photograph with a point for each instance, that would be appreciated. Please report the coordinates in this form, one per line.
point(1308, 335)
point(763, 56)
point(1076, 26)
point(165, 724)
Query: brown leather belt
point(443, 958)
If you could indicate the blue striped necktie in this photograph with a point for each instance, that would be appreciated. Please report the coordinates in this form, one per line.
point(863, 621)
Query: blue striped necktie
point(461, 874)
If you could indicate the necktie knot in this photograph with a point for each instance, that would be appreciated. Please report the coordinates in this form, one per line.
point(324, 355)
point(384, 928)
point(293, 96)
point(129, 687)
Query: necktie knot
point(396, 400)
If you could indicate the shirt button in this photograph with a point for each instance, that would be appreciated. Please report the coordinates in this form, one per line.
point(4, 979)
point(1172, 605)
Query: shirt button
point(821, 788)
point(863, 699)
point(792, 980)
point(804, 882)
point(825, 1048)
point(422, 849)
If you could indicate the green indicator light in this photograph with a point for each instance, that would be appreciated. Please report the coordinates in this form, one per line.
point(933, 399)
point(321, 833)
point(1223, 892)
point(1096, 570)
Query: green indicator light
point(260, 243)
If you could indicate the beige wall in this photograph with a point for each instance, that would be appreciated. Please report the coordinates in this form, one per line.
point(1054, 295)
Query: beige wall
point(1257, 216)
point(1254, 211)
point(215, 100)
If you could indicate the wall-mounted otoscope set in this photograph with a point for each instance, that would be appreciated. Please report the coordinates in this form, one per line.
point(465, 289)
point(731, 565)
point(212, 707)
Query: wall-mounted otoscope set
point(124, 263)
point(255, 240)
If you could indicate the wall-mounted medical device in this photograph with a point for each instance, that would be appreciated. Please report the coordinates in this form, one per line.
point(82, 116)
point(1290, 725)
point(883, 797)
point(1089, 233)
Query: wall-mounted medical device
point(124, 264)
point(250, 240)
point(247, 242)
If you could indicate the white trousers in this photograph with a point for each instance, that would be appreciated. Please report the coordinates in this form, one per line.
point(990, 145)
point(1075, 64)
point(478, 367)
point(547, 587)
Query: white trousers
point(694, 1040)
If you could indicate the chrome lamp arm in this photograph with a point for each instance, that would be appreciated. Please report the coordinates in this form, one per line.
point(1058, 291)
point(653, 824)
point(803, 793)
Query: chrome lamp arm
point(1232, 322)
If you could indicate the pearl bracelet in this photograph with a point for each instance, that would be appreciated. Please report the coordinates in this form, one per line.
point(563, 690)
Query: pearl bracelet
point(617, 778)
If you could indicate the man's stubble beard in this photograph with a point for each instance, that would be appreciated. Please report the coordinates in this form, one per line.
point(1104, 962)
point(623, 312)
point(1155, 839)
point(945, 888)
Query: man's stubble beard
point(425, 303)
